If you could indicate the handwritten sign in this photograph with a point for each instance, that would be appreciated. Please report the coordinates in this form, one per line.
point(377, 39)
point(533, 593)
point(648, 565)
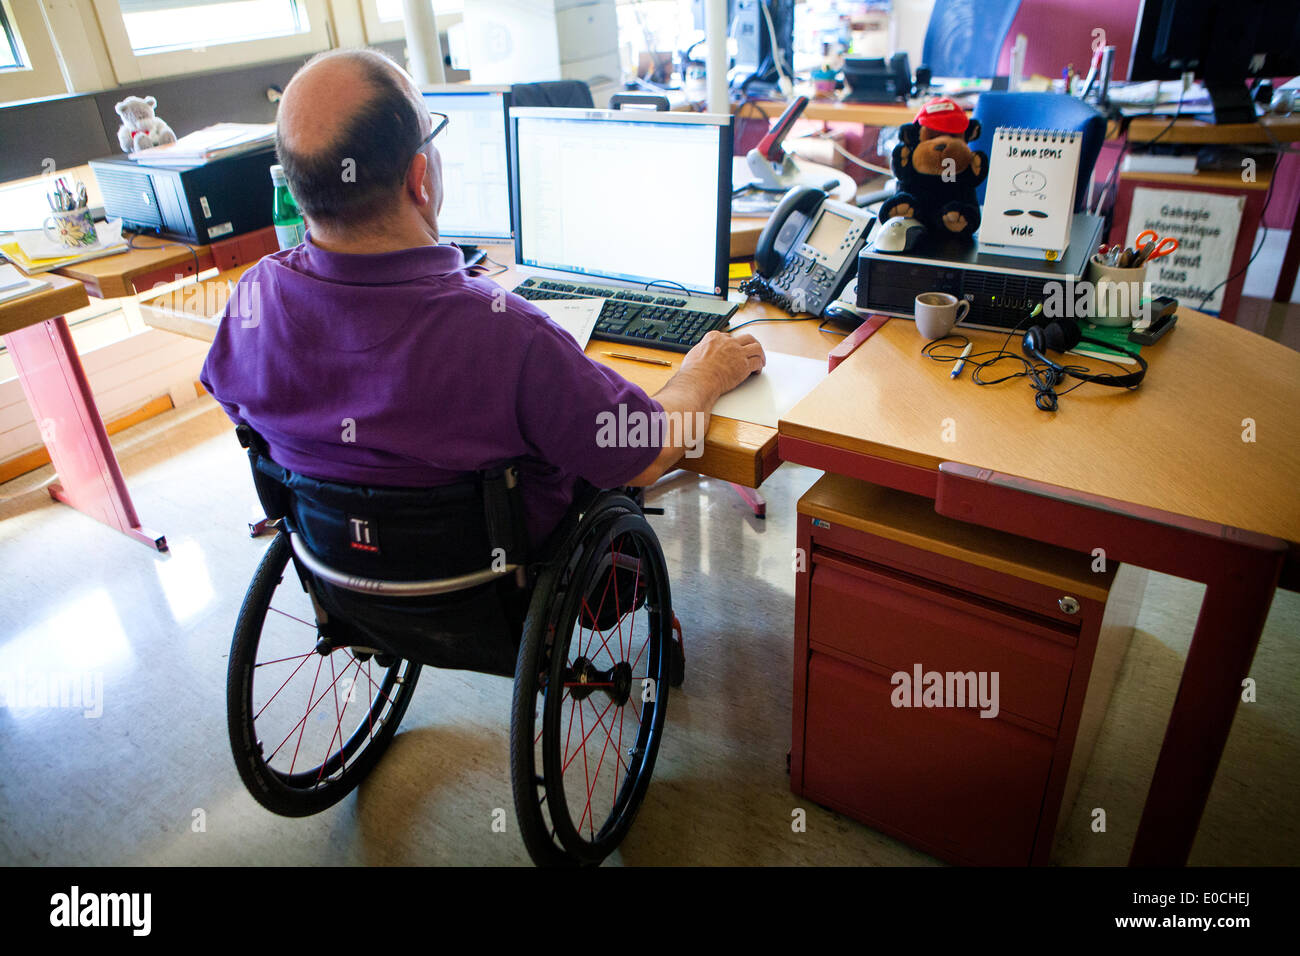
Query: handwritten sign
point(1205, 225)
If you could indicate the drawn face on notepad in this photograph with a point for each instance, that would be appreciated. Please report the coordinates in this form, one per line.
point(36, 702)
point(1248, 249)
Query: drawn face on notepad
point(1029, 181)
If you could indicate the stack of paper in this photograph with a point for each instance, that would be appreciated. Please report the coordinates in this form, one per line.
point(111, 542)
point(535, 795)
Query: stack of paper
point(33, 251)
point(15, 285)
point(205, 145)
point(576, 316)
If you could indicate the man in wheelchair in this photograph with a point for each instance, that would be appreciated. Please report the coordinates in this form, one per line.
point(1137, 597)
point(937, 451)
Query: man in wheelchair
point(407, 420)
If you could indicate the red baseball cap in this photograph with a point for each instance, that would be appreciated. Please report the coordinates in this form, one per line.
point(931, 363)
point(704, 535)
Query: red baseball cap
point(944, 115)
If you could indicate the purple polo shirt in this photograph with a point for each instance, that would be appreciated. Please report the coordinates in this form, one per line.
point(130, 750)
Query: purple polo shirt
point(399, 369)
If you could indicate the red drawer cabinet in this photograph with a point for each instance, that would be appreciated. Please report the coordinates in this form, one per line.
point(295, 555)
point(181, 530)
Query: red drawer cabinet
point(889, 586)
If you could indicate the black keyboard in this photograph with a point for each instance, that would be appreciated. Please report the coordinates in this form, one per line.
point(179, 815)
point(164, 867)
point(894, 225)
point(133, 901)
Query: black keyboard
point(675, 322)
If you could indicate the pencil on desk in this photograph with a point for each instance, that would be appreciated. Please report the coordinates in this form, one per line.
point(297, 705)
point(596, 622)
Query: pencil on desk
point(638, 358)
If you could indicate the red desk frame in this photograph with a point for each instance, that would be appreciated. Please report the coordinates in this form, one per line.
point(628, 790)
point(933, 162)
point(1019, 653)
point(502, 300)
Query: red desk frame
point(1240, 569)
point(59, 395)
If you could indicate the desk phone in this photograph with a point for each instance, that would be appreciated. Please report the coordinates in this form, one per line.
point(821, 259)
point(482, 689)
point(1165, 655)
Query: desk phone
point(808, 250)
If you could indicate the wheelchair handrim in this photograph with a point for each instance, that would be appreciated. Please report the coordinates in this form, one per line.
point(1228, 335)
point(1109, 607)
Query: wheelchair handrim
point(598, 843)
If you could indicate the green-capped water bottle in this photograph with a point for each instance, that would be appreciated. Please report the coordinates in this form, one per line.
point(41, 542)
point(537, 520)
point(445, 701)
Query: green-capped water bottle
point(289, 227)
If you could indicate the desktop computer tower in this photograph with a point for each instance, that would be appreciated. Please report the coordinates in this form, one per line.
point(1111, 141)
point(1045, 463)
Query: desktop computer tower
point(196, 204)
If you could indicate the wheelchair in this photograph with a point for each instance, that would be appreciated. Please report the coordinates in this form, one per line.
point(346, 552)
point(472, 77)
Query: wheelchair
point(385, 581)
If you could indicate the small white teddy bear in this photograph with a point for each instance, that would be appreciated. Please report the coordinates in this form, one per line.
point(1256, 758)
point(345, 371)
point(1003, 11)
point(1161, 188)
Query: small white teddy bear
point(140, 128)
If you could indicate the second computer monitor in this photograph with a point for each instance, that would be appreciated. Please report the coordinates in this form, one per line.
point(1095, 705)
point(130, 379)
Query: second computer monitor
point(638, 197)
point(475, 162)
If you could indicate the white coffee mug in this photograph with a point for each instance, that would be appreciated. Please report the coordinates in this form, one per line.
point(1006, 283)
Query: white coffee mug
point(937, 312)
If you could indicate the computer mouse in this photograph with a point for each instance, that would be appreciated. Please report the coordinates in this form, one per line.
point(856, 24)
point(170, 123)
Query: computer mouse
point(899, 234)
point(842, 315)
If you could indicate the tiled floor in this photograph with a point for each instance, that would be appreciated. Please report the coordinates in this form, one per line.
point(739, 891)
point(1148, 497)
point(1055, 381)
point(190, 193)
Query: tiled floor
point(134, 784)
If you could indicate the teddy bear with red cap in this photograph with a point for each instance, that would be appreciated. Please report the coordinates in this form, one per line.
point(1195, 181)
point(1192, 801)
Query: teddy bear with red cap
point(937, 171)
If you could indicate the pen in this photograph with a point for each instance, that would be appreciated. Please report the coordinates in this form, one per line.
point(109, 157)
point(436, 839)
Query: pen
point(961, 362)
point(638, 358)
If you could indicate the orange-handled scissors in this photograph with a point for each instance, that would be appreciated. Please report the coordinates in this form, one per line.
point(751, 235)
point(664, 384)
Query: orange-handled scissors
point(1161, 247)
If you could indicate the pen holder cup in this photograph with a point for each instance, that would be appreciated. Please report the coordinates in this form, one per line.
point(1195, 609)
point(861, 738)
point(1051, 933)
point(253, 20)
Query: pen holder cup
point(1116, 293)
point(74, 228)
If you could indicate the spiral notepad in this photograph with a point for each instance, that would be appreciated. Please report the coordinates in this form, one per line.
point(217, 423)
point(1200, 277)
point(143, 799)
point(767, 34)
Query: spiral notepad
point(1029, 199)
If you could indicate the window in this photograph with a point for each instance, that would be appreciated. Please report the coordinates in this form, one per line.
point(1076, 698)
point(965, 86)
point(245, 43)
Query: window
point(29, 67)
point(153, 26)
point(152, 38)
point(11, 54)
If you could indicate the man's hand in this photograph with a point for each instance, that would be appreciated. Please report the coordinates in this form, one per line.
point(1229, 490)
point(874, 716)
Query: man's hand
point(724, 360)
point(716, 365)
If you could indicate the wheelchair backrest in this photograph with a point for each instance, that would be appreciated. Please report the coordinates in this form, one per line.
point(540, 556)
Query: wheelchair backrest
point(395, 534)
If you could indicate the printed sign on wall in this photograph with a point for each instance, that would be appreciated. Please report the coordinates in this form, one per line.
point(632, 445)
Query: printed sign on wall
point(1205, 225)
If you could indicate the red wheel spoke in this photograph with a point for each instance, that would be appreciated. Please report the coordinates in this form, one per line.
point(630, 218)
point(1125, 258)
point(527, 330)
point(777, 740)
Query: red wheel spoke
point(622, 712)
point(303, 722)
point(592, 789)
point(618, 611)
point(281, 660)
point(291, 617)
point(374, 685)
point(639, 653)
point(631, 628)
point(338, 724)
point(370, 701)
point(582, 743)
point(611, 732)
point(283, 686)
point(568, 736)
point(595, 617)
point(583, 746)
point(603, 643)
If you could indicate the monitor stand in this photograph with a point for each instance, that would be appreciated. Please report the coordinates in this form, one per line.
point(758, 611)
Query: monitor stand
point(1232, 102)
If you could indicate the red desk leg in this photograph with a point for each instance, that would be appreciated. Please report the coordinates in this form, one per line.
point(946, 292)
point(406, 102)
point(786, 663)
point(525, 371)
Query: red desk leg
point(1241, 570)
point(1223, 644)
point(59, 395)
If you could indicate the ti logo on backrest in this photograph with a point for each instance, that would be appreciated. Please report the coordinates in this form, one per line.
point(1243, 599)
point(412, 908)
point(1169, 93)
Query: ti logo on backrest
point(363, 535)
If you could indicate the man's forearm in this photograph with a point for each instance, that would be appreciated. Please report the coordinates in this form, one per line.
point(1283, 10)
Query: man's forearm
point(688, 393)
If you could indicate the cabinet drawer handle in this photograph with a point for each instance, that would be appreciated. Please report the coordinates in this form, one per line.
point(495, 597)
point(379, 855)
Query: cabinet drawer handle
point(1069, 605)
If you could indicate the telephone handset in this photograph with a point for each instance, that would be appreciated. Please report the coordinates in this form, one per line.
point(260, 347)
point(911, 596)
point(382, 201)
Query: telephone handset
point(808, 250)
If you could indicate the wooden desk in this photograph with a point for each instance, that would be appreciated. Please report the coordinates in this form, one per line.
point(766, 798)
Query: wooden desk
point(1160, 478)
point(1285, 129)
point(838, 111)
point(736, 451)
point(1281, 129)
point(37, 336)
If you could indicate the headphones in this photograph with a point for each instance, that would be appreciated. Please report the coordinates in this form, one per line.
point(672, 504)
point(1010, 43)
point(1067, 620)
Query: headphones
point(1061, 335)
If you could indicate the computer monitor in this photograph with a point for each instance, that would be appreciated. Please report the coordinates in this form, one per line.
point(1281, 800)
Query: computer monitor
point(754, 24)
point(636, 198)
point(1224, 42)
point(475, 162)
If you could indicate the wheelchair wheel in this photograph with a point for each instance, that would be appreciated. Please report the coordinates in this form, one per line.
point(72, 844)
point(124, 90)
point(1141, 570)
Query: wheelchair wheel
point(307, 722)
point(591, 687)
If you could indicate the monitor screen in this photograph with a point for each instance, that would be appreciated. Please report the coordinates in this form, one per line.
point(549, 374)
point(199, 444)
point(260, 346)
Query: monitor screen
point(475, 163)
point(637, 197)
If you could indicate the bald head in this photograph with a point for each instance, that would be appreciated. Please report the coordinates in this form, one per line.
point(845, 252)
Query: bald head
point(349, 126)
